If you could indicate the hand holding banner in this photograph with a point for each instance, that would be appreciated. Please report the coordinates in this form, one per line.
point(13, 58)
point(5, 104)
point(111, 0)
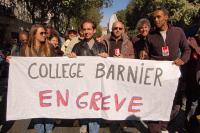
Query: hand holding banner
point(90, 87)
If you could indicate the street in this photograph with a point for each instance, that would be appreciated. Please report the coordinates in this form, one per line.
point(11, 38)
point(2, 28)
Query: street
point(67, 127)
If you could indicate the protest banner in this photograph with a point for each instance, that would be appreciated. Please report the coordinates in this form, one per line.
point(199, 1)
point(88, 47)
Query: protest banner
point(91, 87)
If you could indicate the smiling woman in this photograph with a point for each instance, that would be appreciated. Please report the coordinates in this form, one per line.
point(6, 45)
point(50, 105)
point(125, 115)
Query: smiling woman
point(140, 41)
point(37, 44)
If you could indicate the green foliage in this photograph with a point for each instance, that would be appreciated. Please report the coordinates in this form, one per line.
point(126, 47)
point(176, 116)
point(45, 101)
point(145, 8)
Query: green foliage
point(91, 13)
point(121, 15)
point(183, 12)
point(67, 13)
point(98, 31)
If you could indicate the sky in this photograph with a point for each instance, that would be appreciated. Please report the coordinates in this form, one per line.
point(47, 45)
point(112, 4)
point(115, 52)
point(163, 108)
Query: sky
point(116, 6)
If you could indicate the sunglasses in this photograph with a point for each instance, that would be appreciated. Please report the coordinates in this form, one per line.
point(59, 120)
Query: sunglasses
point(117, 28)
point(43, 33)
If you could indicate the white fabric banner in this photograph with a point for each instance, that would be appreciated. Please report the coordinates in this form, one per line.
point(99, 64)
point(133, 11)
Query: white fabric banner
point(91, 87)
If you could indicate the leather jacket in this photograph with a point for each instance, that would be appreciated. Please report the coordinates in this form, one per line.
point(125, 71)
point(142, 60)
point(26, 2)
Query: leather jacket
point(82, 49)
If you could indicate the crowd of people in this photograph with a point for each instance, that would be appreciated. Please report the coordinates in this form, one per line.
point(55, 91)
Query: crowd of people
point(162, 42)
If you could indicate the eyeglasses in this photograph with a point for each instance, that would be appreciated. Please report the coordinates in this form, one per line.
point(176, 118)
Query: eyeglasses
point(117, 28)
point(43, 33)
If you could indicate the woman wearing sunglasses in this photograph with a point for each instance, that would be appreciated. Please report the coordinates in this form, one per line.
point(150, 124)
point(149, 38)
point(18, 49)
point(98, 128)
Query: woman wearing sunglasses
point(38, 46)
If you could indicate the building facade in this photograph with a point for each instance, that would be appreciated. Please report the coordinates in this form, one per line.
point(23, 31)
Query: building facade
point(13, 18)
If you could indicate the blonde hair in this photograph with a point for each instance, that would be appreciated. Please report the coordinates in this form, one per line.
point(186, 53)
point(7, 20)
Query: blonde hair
point(141, 22)
point(30, 49)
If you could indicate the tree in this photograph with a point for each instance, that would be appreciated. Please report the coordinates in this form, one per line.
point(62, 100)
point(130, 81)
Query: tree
point(67, 13)
point(31, 6)
point(86, 9)
point(184, 13)
point(121, 15)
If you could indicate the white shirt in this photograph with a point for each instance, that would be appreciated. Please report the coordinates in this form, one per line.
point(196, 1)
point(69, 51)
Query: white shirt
point(163, 34)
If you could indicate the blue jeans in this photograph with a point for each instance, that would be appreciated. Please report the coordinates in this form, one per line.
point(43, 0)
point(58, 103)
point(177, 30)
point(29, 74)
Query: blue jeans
point(93, 124)
point(43, 125)
point(93, 127)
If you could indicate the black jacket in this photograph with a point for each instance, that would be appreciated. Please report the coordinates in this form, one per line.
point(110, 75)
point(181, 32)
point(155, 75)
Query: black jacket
point(82, 49)
point(175, 40)
point(198, 73)
point(140, 43)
